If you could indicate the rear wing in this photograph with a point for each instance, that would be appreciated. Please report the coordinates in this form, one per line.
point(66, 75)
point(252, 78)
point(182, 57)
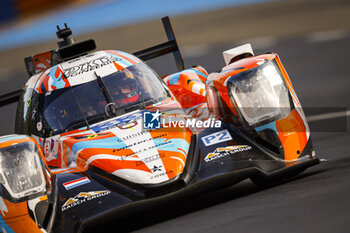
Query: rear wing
point(164, 48)
point(42, 61)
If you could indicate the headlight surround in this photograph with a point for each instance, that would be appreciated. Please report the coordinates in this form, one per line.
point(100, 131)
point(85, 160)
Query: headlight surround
point(260, 94)
point(21, 172)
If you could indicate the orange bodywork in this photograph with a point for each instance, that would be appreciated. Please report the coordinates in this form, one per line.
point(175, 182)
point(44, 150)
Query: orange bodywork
point(16, 215)
point(188, 86)
point(116, 153)
point(292, 131)
point(42, 61)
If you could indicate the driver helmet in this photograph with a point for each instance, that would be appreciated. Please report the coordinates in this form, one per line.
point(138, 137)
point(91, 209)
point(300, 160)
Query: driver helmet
point(126, 90)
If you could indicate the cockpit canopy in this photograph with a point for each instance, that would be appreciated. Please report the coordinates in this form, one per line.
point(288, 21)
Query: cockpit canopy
point(62, 110)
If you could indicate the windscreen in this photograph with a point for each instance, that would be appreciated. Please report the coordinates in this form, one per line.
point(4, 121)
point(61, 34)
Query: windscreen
point(74, 107)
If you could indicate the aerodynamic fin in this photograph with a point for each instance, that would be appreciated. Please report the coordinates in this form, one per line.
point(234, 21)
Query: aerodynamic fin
point(164, 48)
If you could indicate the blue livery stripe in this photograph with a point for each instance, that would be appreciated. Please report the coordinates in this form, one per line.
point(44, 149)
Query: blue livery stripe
point(12, 137)
point(106, 143)
point(125, 62)
point(271, 125)
point(174, 79)
point(199, 72)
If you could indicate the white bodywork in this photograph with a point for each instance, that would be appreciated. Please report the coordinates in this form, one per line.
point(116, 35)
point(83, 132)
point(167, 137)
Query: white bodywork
point(231, 53)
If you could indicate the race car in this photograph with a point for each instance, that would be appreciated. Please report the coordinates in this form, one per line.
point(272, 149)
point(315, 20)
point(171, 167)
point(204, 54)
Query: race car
point(100, 135)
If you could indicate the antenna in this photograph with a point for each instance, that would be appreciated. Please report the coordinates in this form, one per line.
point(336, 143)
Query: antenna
point(64, 36)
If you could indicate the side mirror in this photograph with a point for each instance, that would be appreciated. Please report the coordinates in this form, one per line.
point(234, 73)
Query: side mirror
point(23, 171)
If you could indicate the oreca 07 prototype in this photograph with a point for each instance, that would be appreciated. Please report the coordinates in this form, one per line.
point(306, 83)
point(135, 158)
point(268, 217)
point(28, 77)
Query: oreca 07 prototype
point(100, 134)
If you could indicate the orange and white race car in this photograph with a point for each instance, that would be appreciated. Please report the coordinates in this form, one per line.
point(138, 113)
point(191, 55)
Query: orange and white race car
point(99, 134)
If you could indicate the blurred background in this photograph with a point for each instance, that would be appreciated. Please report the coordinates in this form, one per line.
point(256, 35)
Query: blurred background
point(312, 37)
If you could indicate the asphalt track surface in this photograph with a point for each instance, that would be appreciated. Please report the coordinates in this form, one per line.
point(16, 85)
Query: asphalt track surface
point(316, 200)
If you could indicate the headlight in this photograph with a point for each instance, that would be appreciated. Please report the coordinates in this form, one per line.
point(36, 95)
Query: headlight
point(260, 94)
point(21, 173)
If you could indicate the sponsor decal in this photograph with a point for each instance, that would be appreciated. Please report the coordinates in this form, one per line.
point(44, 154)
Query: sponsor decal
point(127, 125)
point(75, 183)
point(161, 174)
point(150, 159)
point(130, 136)
point(33, 114)
point(225, 151)
point(92, 136)
point(83, 197)
point(113, 123)
point(156, 168)
point(90, 66)
point(145, 148)
point(39, 126)
point(48, 146)
point(218, 137)
point(89, 136)
point(151, 120)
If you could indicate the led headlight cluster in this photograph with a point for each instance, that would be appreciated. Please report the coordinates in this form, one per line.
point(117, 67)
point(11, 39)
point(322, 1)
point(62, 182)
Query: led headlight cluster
point(21, 173)
point(260, 94)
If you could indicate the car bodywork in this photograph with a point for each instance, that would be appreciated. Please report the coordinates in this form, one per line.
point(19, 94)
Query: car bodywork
point(232, 129)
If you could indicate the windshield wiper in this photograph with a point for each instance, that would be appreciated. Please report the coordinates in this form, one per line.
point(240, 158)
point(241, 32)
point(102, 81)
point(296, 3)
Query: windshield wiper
point(106, 94)
point(140, 105)
point(143, 100)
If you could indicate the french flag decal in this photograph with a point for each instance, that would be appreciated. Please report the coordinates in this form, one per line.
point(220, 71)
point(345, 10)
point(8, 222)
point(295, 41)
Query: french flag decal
point(75, 183)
